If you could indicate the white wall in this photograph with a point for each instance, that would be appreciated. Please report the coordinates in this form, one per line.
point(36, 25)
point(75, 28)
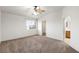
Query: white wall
point(0, 26)
point(73, 12)
point(54, 28)
point(14, 26)
point(40, 26)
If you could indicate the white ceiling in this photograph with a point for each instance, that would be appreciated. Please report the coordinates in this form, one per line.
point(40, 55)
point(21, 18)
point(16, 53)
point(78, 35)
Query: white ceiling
point(28, 10)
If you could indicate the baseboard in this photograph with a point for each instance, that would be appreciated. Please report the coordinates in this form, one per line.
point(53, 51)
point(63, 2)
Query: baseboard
point(20, 38)
point(72, 47)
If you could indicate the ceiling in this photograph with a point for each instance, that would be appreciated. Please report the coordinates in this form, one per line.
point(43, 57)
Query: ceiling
point(28, 10)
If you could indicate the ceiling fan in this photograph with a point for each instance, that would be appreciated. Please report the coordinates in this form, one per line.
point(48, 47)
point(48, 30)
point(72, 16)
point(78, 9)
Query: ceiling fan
point(38, 10)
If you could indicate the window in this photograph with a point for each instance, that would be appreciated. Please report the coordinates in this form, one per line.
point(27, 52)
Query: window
point(30, 24)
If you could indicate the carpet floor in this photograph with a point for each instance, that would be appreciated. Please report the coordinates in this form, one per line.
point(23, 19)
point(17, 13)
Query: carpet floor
point(35, 44)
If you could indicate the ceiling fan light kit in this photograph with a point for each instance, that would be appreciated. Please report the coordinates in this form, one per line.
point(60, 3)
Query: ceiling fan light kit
point(37, 10)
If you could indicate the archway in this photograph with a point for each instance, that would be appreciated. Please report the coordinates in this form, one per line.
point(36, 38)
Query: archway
point(67, 29)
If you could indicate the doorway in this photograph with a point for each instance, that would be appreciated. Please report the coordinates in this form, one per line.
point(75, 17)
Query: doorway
point(44, 27)
point(67, 29)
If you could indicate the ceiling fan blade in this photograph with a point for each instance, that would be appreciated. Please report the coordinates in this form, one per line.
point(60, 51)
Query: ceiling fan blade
point(43, 10)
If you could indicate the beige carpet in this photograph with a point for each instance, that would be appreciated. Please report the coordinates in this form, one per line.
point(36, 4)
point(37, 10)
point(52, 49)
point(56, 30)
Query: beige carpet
point(35, 44)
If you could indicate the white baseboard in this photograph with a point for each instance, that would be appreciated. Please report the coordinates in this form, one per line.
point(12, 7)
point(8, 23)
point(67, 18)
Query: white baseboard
point(19, 37)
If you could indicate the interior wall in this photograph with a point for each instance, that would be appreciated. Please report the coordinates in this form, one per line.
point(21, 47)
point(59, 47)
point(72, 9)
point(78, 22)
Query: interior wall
point(40, 26)
point(73, 12)
point(14, 26)
point(54, 25)
point(0, 26)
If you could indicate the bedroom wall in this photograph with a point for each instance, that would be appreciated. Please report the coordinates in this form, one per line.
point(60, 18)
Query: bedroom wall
point(0, 26)
point(40, 26)
point(54, 25)
point(73, 12)
point(14, 26)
